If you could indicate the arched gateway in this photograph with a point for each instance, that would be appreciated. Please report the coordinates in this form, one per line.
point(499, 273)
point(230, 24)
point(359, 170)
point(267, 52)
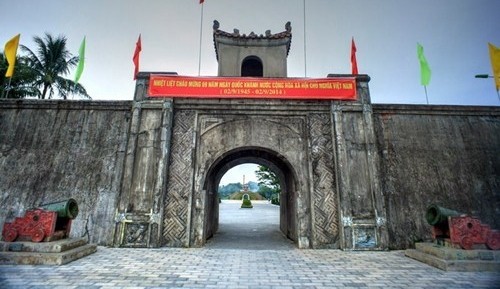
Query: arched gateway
point(186, 132)
point(262, 156)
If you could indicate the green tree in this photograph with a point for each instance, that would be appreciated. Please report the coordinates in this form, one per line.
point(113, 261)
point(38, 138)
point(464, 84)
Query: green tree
point(51, 62)
point(225, 191)
point(20, 85)
point(266, 191)
point(269, 182)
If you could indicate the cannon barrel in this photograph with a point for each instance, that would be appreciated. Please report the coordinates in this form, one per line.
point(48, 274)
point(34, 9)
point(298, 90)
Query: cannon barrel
point(436, 215)
point(64, 209)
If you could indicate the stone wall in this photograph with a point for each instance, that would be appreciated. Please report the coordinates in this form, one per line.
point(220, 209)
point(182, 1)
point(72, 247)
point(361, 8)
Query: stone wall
point(55, 150)
point(389, 163)
point(448, 155)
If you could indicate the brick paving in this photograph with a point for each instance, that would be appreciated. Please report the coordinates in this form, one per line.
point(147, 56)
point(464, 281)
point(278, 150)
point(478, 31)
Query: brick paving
point(251, 267)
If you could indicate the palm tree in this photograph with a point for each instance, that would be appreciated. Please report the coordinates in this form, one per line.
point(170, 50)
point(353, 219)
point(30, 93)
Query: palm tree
point(20, 85)
point(51, 62)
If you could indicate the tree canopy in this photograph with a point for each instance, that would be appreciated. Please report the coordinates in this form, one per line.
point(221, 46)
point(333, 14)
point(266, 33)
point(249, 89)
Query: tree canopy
point(41, 72)
point(267, 177)
point(269, 183)
point(19, 86)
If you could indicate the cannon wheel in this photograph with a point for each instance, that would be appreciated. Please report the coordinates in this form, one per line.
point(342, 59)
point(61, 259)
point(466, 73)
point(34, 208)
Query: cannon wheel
point(10, 235)
point(38, 235)
point(493, 242)
point(466, 243)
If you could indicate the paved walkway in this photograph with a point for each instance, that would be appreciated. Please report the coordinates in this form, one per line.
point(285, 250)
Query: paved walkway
point(253, 229)
point(264, 263)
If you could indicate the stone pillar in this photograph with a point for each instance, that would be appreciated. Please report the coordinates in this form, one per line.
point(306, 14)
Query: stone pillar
point(362, 213)
point(140, 207)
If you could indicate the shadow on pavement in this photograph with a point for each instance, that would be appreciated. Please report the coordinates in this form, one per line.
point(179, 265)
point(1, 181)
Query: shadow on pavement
point(249, 229)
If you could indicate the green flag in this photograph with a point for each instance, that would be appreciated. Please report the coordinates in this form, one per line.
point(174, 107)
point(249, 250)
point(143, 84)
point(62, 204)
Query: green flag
point(81, 61)
point(425, 70)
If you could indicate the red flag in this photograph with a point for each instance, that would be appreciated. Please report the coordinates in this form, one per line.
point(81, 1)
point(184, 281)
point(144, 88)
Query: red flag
point(135, 59)
point(201, 1)
point(354, 63)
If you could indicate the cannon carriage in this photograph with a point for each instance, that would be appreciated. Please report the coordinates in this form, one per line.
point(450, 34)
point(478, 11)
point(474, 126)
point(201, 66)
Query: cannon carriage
point(48, 222)
point(460, 230)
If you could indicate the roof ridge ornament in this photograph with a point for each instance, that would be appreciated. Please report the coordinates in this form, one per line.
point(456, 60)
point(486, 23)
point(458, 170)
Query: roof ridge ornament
point(267, 34)
point(236, 37)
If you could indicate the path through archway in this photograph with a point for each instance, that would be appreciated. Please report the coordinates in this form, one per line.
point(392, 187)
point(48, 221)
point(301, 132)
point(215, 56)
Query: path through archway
point(287, 211)
point(250, 229)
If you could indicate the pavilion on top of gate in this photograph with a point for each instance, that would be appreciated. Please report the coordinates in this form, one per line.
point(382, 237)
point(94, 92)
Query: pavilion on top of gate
point(263, 55)
point(255, 67)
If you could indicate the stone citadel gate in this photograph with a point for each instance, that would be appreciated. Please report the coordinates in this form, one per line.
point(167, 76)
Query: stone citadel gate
point(179, 150)
point(354, 175)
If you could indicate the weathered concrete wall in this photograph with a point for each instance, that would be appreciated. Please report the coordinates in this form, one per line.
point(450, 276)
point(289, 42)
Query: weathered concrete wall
point(448, 155)
point(362, 210)
point(361, 171)
point(54, 150)
point(140, 206)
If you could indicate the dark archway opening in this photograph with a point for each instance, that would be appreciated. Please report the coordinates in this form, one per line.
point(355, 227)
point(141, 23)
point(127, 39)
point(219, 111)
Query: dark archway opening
point(252, 66)
point(261, 156)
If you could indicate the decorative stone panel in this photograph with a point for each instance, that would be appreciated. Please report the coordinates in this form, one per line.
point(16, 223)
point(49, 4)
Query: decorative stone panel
point(325, 212)
point(178, 200)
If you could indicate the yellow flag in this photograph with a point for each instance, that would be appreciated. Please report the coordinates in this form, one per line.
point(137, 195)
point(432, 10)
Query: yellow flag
point(10, 54)
point(495, 63)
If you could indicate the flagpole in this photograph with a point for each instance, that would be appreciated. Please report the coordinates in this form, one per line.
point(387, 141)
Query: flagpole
point(426, 98)
point(7, 88)
point(305, 54)
point(201, 33)
point(3, 91)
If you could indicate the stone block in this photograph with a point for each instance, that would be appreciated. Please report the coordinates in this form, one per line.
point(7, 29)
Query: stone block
point(47, 253)
point(452, 259)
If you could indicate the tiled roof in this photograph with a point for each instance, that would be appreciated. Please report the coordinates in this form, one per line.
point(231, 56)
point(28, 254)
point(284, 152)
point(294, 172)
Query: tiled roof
point(287, 34)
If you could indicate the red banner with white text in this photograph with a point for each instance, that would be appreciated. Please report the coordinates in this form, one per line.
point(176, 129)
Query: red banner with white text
point(250, 87)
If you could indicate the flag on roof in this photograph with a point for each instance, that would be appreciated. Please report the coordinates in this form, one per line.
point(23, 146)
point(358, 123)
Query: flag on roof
point(10, 53)
point(495, 63)
point(81, 61)
point(135, 59)
point(425, 70)
point(354, 63)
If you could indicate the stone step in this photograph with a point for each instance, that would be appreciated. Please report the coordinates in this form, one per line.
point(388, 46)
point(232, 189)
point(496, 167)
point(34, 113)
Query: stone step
point(450, 259)
point(43, 247)
point(450, 253)
point(40, 258)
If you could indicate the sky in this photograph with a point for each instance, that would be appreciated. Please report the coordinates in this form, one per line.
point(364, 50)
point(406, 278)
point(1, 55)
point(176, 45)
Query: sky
point(454, 34)
point(236, 173)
